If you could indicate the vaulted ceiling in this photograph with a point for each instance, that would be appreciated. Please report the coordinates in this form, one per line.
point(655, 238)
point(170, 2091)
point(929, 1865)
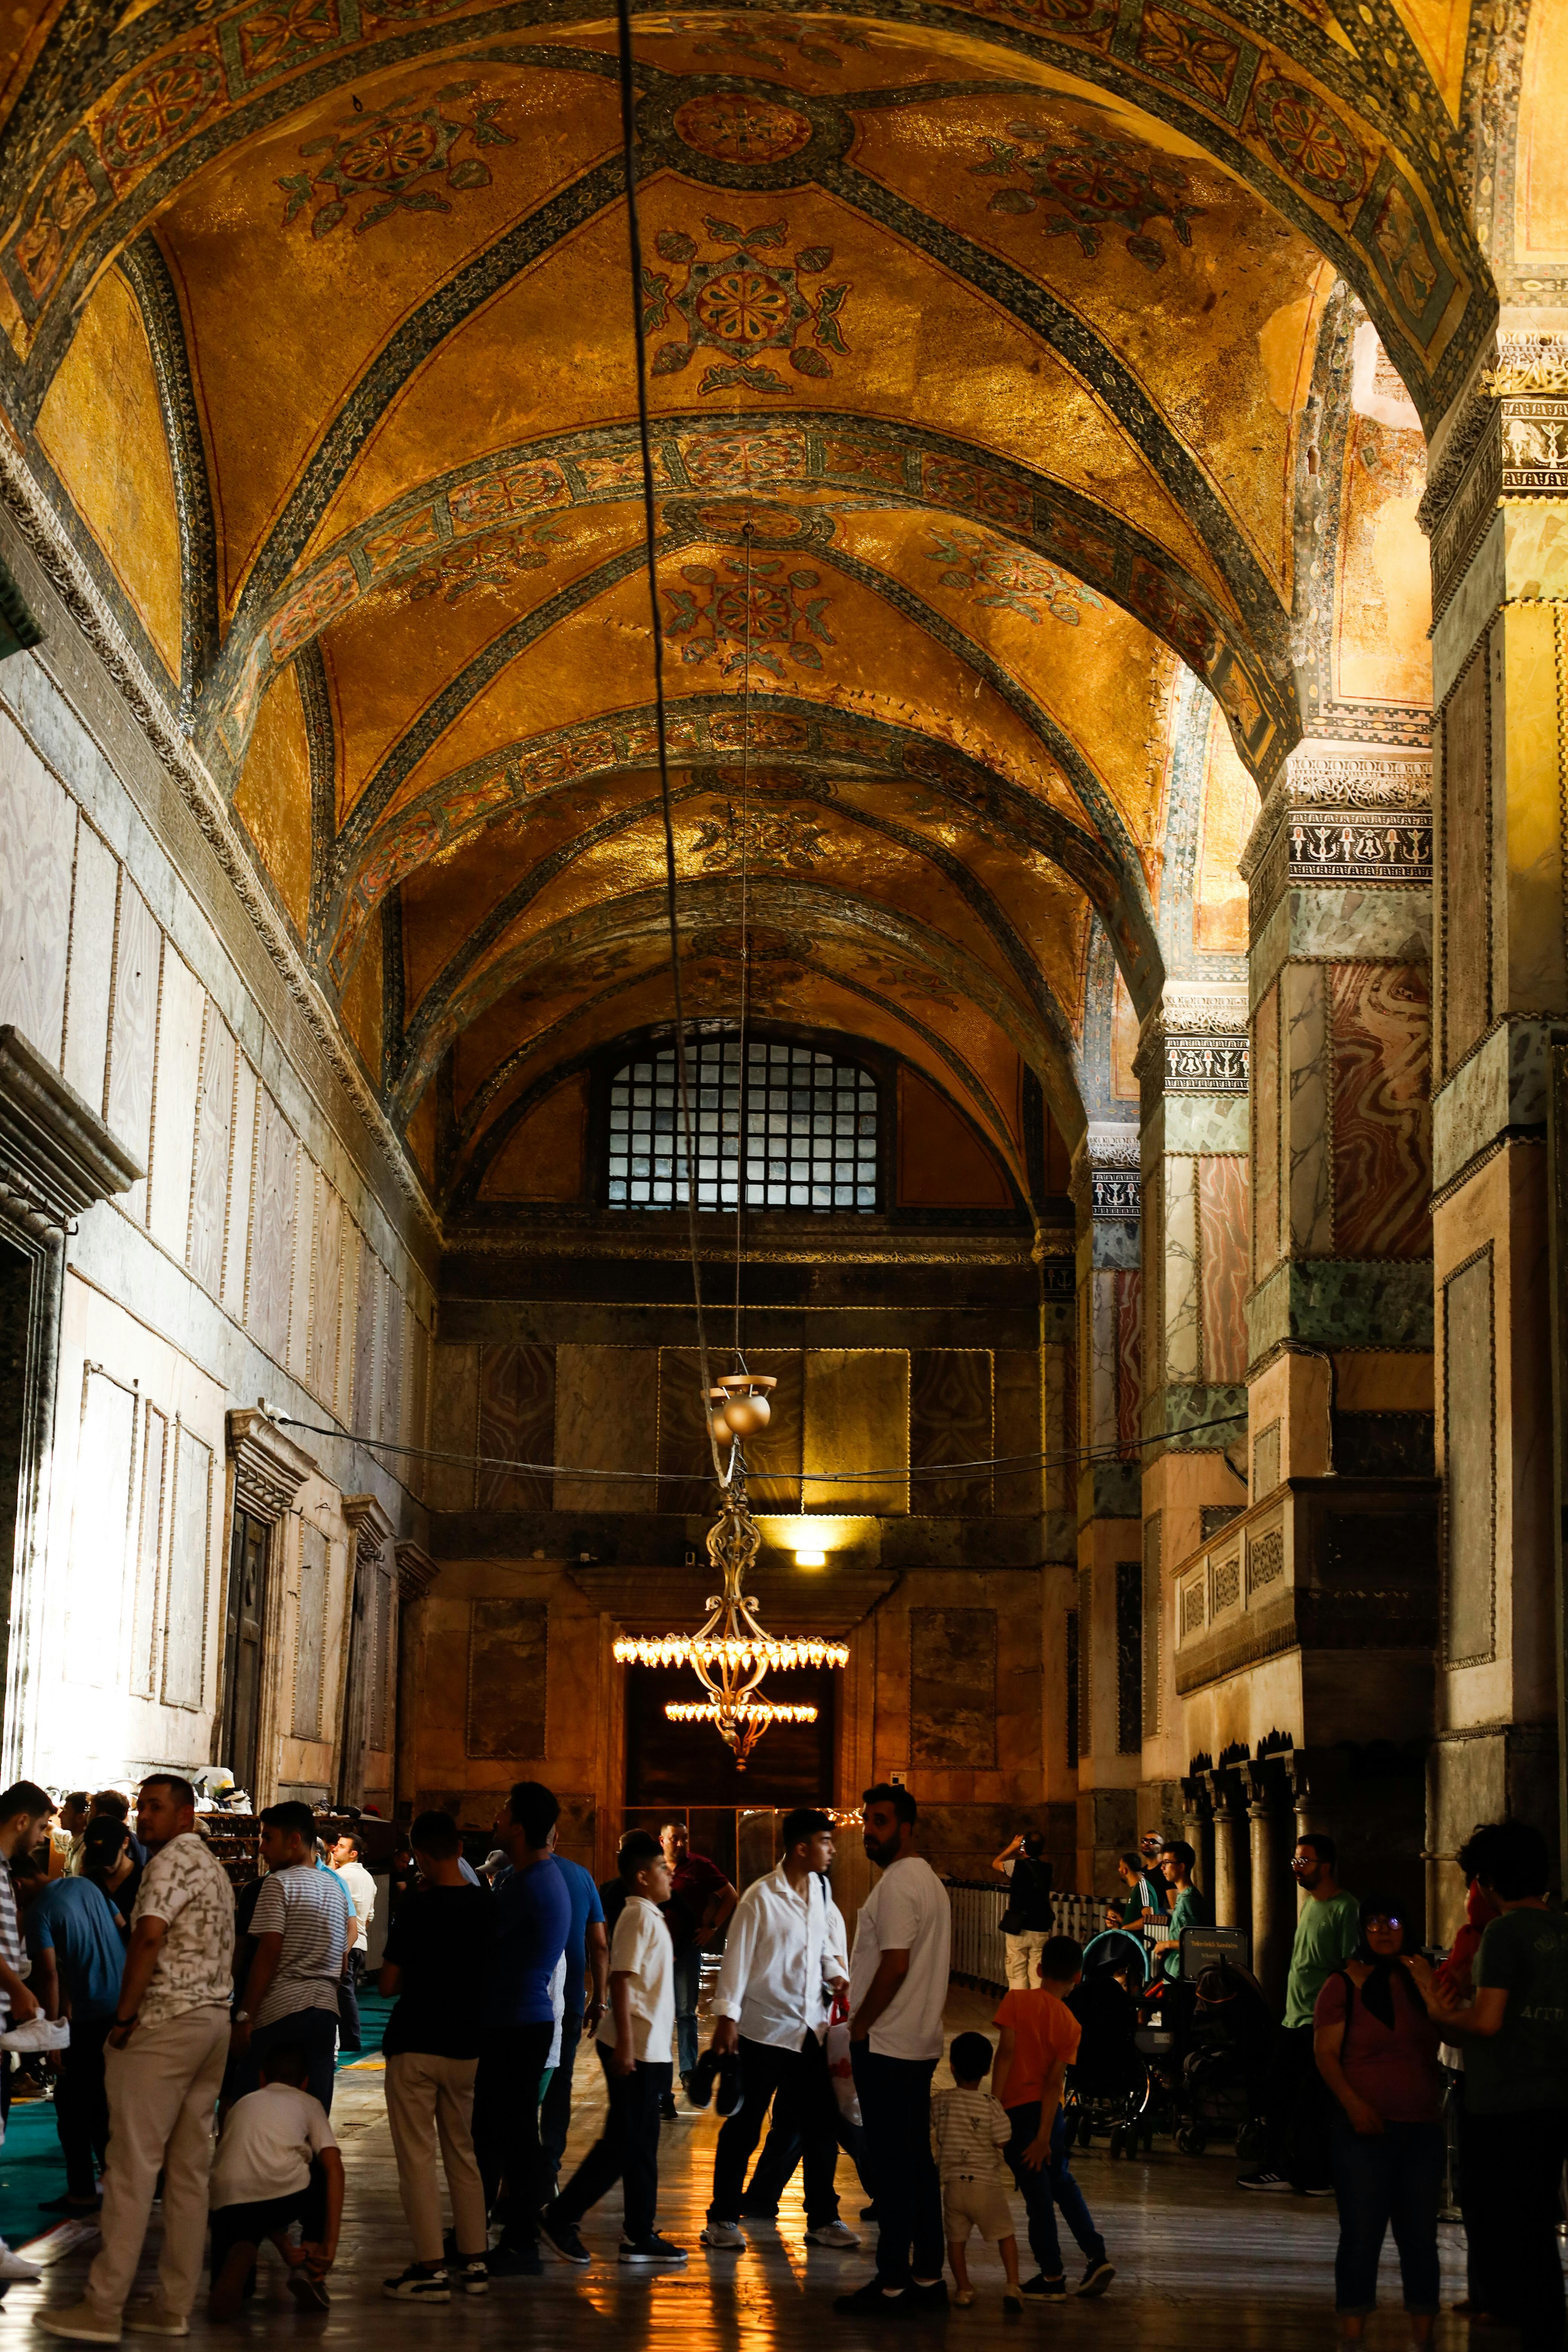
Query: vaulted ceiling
point(981, 343)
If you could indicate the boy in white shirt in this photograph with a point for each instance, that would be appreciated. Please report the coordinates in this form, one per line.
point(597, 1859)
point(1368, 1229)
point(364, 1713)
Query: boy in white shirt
point(969, 2130)
point(276, 2163)
point(632, 2041)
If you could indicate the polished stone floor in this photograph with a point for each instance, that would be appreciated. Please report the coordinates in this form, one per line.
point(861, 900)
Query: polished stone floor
point(1201, 2266)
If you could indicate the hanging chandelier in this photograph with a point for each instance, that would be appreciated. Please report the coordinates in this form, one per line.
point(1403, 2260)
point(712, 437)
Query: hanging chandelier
point(729, 1653)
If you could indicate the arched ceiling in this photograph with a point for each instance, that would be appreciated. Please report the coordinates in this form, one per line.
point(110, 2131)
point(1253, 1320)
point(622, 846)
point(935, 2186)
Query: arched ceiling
point(980, 341)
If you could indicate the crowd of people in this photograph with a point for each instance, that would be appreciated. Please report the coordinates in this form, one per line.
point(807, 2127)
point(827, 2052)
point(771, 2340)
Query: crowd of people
point(187, 2007)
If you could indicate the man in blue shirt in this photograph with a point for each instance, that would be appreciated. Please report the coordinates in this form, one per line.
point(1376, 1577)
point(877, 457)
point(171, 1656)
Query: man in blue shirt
point(78, 1958)
point(534, 1919)
point(587, 1947)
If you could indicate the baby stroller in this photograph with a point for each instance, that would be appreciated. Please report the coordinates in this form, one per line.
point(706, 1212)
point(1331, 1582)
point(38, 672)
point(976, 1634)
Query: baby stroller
point(1107, 2088)
point(1220, 2065)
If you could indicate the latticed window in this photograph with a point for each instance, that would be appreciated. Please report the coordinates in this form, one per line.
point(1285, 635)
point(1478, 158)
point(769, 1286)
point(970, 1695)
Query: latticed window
point(804, 1125)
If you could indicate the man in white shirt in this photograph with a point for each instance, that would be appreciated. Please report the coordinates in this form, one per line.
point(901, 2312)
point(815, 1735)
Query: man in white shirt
point(897, 1986)
point(784, 1963)
point(346, 1857)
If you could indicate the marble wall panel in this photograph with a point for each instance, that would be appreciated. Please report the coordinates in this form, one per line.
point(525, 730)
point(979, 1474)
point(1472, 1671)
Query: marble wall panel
point(953, 1689)
point(1380, 1020)
point(1265, 1146)
point(517, 1423)
point(326, 1294)
point(272, 1221)
point(134, 1034)
point(181, 1009)
point(606, 1418)
point(508, 1642)
point(1308, 1111)
point(214, 1135)
point(454, 1427)
point(419, 1393)
point(368, 1319)
point(1183, 1358)
point(151, 1516)
point(310, 1632)
point(100, 1527)
point(394, 1349)
point(96, 892)
point(856, 1418)
point(1470, 1462)
point(1222, 1256)
point(1465, 955)
point(1018, 1428)
point(308, 1186)
point(185, 1616)
point(951, 1419)
point(1129, 1355)
point(241, 1186)
point(38, 851)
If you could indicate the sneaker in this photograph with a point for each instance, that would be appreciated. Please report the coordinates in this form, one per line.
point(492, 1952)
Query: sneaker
point(414, 2285)
point(144, 2315)
point(725, 2237)
point(924, 2301)
point(563, 2240)
point(39, 2033)
point(835, 2234)
point(516, 2258)
point(1097, 2276)
point(471, 2277)
point(650, 2250)
point(1264, 2179)
point(16, 2266)
point(870, 2302)
point(1047, 2290)
point(1012, 2301)
point(666, 2106)
point(309, 2294)
point(78, 2323)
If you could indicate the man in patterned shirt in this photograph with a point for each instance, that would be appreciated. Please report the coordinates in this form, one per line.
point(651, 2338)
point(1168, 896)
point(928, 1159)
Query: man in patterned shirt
point(163, 2067)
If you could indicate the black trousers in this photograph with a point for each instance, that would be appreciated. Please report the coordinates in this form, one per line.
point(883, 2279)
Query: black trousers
point(627, 2152)
point(774, 2169)
point(315, 2032)
point(1512, 2206)
point(251, 2225)
point(506, 2127)
point(1299, 2112)
point(348, 2002)
point(801, 2089)
point(555, 2115)
point(81, 2104)
point(895, 2104)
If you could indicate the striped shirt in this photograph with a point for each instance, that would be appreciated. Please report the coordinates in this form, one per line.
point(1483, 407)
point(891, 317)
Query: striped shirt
point(969, 2130)
point(10, 1934)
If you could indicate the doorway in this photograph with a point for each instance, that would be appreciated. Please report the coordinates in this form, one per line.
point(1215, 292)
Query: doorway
point(239, 1721)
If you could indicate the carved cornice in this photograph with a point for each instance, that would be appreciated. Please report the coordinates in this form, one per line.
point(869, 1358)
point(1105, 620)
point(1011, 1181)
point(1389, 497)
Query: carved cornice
point(1336, 818)
point(268, 1468)
point(372, 1530)
point(68, 575)
point(1509, 442)
point(1106, 1179)
point(1196, 1042)
point(417, 1572)
point(57, 1156)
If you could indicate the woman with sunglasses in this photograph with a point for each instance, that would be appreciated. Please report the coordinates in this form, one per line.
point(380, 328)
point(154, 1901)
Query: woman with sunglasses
point(1377, 2048)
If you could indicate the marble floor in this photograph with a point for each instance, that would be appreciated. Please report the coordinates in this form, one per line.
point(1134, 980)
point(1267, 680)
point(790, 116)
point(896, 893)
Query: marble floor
point(1201, 2266)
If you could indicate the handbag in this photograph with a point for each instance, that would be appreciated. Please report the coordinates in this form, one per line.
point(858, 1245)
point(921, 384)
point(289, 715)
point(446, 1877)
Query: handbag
point(841, 2072)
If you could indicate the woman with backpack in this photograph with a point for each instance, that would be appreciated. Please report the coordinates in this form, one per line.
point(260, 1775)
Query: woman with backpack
point(1026, 1921)
point(1377, 2048)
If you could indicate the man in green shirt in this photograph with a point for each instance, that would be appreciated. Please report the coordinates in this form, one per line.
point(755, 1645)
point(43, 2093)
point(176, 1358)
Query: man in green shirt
point(1298, 2118)
point(1514, 2034)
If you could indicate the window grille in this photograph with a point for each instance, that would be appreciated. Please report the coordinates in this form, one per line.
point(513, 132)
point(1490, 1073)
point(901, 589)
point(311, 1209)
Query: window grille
point(807, 1129)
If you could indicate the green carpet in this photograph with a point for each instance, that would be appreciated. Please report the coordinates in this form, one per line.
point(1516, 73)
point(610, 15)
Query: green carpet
point(32, 2169)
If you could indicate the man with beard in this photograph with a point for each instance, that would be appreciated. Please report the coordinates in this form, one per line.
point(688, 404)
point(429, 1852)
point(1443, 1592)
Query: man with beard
point(897, 1986)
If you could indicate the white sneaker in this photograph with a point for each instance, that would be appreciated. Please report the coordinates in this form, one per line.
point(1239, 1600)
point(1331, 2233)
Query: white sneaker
point(78, 2323)
point(843, 2241)
point(16, 2266)
point(725, 2237)
point(39, 2033)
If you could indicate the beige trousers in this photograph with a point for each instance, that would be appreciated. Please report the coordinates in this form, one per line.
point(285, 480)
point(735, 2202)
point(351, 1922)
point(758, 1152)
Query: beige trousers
point(427, 2098)
point(1024, 1959)
point(162, 2088)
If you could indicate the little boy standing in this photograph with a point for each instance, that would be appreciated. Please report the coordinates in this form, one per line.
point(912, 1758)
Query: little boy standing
point(633, 2042)
point(1039, 2043)
point(276, 2163)
point(969, 2130)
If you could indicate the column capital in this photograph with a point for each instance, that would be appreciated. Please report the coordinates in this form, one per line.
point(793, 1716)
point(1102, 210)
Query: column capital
point(269, 1467)
point(1507, 439)
point(1106, 1179)
point(1194, 1040)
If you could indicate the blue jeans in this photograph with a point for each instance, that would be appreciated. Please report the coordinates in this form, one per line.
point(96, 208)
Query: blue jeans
point(1392, 2179)
point(688, 1980)
point(895, 2108)
point(1046, 2187)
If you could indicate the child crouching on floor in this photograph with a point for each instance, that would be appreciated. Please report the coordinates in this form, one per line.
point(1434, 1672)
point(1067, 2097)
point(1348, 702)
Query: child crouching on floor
point(969, 2130)
point(276, 2163)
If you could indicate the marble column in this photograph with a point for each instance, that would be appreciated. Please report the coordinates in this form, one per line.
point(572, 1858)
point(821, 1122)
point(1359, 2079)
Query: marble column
point(1272, 1925)
point(365, 1669)
point(1197, 1827)
point(1496, 511)
point(1231, 1901)
point(1106, 1192)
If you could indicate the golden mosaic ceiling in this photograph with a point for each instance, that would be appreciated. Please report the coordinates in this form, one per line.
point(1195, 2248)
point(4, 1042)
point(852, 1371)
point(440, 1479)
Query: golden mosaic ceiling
point(980, 346)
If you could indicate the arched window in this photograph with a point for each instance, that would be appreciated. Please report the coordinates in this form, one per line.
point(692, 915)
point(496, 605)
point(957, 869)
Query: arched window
point(806, 1128)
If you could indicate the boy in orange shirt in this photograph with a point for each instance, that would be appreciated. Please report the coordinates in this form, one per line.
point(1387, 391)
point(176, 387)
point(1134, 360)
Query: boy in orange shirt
point(1039, 2043)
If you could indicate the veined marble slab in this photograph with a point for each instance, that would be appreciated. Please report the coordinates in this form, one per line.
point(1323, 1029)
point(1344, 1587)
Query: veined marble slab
point(1343, 1303)
point(1346, 926)
point(1502, 1084)
point(1470, 608)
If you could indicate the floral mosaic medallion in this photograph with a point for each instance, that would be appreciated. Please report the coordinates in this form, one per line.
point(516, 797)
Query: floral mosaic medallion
point(760, 836)
point(1010, 577)
point(747, 614)
point(391, 162)
point(1088, 183)
point(1309, 142)
point(744, 302)
point(732, 127)
point(159, 108)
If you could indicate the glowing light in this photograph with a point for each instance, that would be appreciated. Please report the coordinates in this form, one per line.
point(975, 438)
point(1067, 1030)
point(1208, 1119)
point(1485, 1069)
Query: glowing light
point(811, 1560)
